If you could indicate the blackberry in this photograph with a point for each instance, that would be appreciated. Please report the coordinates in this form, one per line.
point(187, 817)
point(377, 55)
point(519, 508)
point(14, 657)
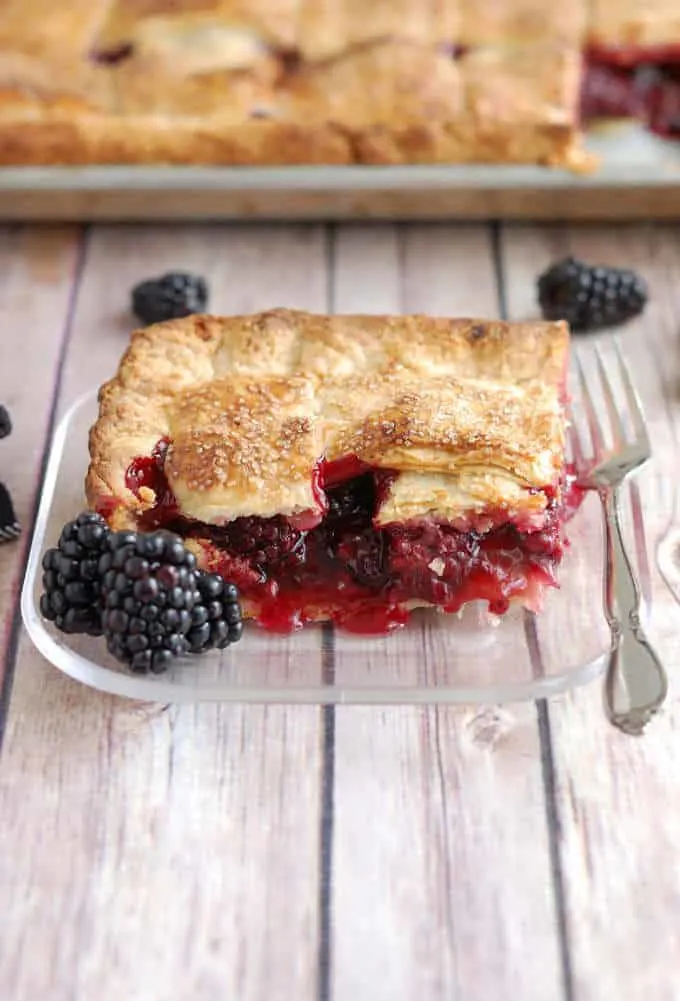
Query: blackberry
point(5, 422)
point(157, 605)
point(171, 296)
point(148, 591)
point(590, 298)
point(71, 576)
point(215, 620)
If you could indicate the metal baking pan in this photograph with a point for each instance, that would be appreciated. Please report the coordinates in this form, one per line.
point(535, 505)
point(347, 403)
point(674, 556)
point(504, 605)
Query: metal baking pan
point(638, 178)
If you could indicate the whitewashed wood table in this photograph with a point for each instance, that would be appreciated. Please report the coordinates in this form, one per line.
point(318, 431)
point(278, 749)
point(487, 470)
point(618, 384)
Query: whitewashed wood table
point(207, 852)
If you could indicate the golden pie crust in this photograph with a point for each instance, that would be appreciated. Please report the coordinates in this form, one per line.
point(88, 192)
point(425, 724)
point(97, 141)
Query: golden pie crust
point(469, 413)
point(634, 23)
point(244, 82)
point(289, 81)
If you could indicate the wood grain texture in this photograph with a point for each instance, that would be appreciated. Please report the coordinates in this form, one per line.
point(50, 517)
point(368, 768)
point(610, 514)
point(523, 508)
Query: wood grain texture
point(616, 796)
point(36, 278)
point(161, 854)
point(202, 852)
point(442, 883)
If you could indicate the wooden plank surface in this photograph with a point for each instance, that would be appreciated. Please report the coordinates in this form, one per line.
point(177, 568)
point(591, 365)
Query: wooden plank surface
point(37, 272)
point(441, 857)
point(153, 853)
point(615, 797)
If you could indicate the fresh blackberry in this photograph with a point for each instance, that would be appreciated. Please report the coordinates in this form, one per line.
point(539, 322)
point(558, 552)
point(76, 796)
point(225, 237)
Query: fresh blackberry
point(148, 592)
point(71, 576)
point(5, 422)
point(157, 605)
point(173, 295)
point(216, 619)
point(590, 298)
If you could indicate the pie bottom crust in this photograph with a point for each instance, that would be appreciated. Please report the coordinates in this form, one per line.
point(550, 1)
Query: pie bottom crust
point(66, 139)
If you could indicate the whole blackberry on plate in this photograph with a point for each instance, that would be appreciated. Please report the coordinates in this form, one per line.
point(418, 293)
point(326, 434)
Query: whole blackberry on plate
point(148, 591)
point(216, 619)
point(590, 298)
point(168, 297)
point(156, 603)
point(71, 576)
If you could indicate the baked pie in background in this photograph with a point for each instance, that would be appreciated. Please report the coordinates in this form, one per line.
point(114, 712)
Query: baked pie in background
point(329, 81)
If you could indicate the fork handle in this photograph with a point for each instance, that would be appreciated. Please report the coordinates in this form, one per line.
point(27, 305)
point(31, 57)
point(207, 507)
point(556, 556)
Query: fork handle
point(636, 683)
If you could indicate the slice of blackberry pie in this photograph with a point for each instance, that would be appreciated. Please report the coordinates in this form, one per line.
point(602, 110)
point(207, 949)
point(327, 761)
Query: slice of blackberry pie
point(344, 468)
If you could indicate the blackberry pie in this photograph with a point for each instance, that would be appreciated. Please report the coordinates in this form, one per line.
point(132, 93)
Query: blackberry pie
point(344, 468)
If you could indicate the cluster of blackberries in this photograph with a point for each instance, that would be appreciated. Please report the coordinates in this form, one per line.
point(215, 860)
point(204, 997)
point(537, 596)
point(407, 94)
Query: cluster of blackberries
point(141, 590)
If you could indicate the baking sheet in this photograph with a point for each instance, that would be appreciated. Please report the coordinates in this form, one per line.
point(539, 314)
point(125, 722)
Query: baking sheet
point(638, 178)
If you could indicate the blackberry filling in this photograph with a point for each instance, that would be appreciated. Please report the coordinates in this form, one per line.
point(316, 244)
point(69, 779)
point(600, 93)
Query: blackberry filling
point(146, 474)
point(630, 82)
point(360, 575)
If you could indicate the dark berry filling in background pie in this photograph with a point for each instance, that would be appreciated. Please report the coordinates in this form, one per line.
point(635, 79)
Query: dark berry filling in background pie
point(359, 574)
point(631, 82)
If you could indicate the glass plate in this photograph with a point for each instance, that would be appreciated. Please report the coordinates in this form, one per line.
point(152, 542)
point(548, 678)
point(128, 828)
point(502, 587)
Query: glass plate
point(471, 658)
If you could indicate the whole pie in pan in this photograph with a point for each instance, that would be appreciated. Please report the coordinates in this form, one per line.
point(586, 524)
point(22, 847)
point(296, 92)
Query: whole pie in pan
point(344, 468)
point(329, 81)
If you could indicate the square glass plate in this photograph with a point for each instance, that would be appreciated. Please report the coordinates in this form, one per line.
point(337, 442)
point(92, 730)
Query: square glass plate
point(471, 658)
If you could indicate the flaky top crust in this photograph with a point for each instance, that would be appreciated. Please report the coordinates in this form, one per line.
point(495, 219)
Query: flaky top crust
point(469, 412)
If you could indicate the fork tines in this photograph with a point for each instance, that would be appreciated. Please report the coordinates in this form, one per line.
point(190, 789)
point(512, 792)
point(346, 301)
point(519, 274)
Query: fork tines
point(627, 452)
point(637, 442)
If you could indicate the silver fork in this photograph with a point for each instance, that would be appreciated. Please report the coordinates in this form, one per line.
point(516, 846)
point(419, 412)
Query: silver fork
point(636, 684)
